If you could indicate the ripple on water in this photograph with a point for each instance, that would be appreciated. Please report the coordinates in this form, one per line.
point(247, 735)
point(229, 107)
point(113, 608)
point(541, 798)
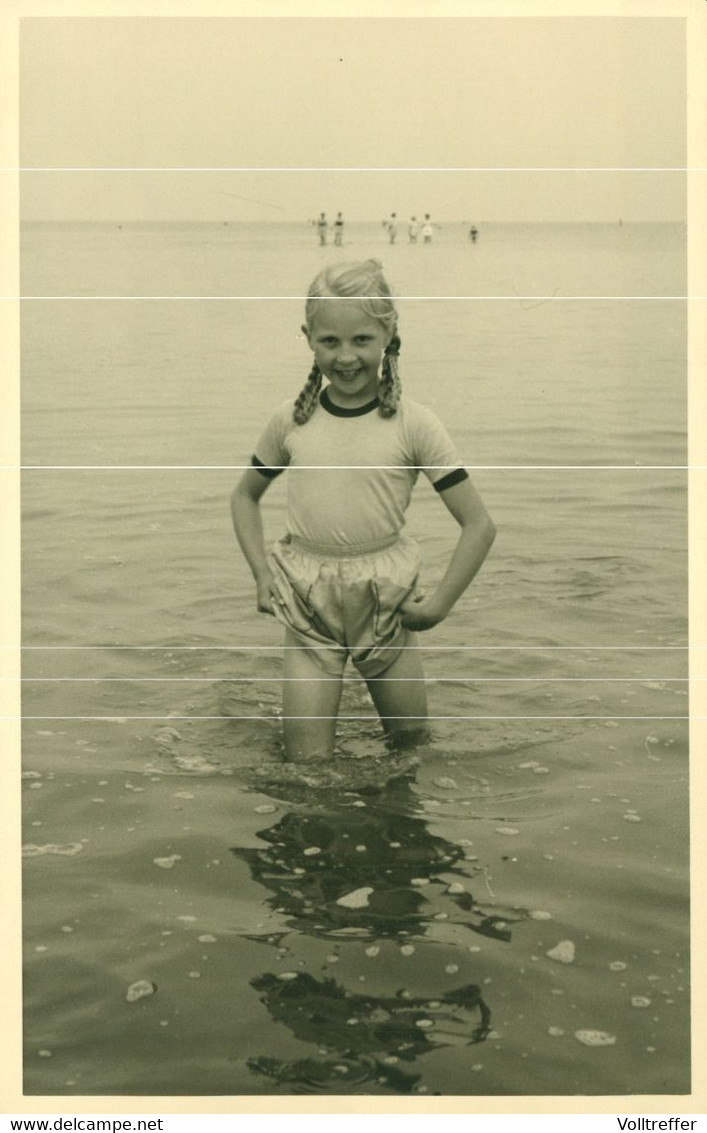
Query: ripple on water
point(174, 760)
point(345, 774)
point(336, 1075)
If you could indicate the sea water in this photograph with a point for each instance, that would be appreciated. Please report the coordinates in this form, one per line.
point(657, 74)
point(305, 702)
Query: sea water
point(502, 910)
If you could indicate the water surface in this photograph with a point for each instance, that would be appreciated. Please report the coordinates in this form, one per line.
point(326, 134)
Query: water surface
point(381, 926)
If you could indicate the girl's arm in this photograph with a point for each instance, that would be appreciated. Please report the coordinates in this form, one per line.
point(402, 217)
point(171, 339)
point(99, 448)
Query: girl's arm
point(478, 532)
point(248, 525)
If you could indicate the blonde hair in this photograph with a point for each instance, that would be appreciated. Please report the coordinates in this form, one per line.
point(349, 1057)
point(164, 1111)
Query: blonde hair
point(362, 280)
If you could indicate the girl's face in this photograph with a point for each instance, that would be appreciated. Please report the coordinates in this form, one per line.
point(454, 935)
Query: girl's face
point(348, 345)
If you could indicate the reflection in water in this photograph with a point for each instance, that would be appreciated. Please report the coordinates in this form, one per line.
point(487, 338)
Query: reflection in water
point(355, 873)
point(376, 869)
point(373, 1033)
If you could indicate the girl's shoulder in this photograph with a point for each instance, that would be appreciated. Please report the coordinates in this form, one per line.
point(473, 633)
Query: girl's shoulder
point(422, 429)
point(278, 425)
point(415, 414)
point(281, 416)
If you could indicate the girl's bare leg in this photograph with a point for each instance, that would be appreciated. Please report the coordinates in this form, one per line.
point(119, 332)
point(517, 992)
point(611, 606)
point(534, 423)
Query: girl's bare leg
point(400, 694)
point(310, 705)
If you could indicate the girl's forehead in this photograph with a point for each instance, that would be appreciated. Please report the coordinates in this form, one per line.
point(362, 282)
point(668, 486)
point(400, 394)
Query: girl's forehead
point(342, 315)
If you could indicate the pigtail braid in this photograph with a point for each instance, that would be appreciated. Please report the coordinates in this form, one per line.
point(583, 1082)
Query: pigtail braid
point(389, 388)
point(306, 401)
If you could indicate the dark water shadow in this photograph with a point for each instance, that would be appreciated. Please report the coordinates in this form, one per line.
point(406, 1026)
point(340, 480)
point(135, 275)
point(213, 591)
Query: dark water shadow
point(363, 1038)
point(356, 872)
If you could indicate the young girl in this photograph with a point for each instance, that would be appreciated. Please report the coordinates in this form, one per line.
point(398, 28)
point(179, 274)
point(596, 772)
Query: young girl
point(343, 580)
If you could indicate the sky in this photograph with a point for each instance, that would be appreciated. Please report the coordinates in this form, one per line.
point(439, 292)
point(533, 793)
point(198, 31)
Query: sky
point(245, 95)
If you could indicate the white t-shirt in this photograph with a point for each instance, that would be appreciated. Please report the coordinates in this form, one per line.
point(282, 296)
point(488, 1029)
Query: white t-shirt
point(353, 471)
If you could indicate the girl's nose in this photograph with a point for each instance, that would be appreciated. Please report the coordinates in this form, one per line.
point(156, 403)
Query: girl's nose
point(346, 353)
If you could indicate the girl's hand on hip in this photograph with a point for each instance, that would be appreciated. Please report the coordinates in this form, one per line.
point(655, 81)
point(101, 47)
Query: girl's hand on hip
point(267, 595)
point(421, 612)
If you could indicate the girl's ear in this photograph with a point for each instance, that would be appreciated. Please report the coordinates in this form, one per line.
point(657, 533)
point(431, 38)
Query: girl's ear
point(305, 332)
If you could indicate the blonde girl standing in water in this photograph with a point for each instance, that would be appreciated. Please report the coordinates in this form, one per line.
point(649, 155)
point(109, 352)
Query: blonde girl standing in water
point(343, 580)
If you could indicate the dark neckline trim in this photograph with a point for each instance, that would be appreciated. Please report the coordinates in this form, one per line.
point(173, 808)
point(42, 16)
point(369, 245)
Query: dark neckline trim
point(339, 411)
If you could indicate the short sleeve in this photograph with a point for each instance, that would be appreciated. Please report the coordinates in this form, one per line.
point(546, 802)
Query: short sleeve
point(434, 451)
point(271, 453)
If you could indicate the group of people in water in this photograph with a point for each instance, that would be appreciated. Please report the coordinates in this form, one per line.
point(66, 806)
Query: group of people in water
point(416, 229)
point(323, 226)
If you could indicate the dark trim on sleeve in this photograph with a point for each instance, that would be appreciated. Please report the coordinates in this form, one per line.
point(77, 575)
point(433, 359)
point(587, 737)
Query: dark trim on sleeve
point(269, 473)
point(452, 478)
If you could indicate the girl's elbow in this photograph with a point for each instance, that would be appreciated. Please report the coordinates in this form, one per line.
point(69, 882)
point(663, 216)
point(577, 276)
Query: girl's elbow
point(240, 494)
point(485, 531)
point(239, 501)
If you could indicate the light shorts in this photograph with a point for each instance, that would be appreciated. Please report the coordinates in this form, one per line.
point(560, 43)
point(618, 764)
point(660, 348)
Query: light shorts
point(341, 603)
